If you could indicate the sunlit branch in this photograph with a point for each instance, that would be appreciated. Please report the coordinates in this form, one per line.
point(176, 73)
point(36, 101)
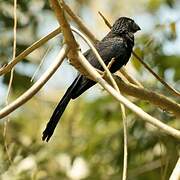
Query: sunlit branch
point(152, 97)
point(68, 35)
point(80, 23)
point(159, 100)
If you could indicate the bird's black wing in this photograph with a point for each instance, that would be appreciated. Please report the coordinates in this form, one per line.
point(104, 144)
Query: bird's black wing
point(108, 49)
point(111, 48)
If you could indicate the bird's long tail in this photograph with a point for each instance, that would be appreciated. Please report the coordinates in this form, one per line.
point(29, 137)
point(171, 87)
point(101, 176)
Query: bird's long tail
point(51, 125)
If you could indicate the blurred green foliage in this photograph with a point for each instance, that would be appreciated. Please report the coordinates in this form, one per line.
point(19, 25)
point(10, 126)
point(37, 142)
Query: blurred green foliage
point(88, 144)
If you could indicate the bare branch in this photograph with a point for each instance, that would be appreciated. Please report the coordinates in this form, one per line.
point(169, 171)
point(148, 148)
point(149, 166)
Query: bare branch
point(157, 99)
point(80, 23)
point(68, 35)
point(171, 89)
point(11, 80)
point(105, 20)
point(131, 79)
point(125, 158)
point(37, 86)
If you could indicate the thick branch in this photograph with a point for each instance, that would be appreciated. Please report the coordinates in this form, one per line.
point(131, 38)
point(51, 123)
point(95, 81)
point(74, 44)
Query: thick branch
point(80, 23)
point(144, 94)
point(126, 88)
point(68, 35)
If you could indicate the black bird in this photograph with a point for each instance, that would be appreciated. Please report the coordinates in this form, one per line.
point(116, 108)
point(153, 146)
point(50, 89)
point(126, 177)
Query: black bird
point(117, 44)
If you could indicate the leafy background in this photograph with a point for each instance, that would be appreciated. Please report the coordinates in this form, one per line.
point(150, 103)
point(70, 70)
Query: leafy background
point(88, 143)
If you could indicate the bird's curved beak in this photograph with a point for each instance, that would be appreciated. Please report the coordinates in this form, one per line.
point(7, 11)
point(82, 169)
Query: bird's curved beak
point(136, 27)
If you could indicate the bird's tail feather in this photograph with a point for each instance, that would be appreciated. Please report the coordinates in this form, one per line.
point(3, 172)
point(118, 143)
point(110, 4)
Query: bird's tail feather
point(51, 125)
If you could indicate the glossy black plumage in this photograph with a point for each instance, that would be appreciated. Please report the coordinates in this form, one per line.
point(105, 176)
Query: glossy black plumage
point(117, 44)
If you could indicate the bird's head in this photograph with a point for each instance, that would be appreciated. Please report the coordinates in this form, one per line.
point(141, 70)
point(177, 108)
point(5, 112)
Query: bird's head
point(124, 25)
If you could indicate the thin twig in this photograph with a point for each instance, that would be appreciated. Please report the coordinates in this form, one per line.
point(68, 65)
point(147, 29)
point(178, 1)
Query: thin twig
point(108, 66)
point(40, 65)
point(131, 79)
point(11, 79)
point(105, 20)
point(125, 159)
point(37, 85)
point(171, 89)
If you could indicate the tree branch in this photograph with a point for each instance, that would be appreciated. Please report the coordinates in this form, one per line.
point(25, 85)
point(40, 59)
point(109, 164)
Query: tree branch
point(106, 71)
point(34, 46)
point(127, 88)
point(37, 85)
point(80, 23)
point(68, 35)
point(171, 89)
point(130, 78)
point(155, 98)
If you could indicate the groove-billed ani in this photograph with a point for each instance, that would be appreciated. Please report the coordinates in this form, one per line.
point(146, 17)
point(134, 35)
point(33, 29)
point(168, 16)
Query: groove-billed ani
point(117, 44)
